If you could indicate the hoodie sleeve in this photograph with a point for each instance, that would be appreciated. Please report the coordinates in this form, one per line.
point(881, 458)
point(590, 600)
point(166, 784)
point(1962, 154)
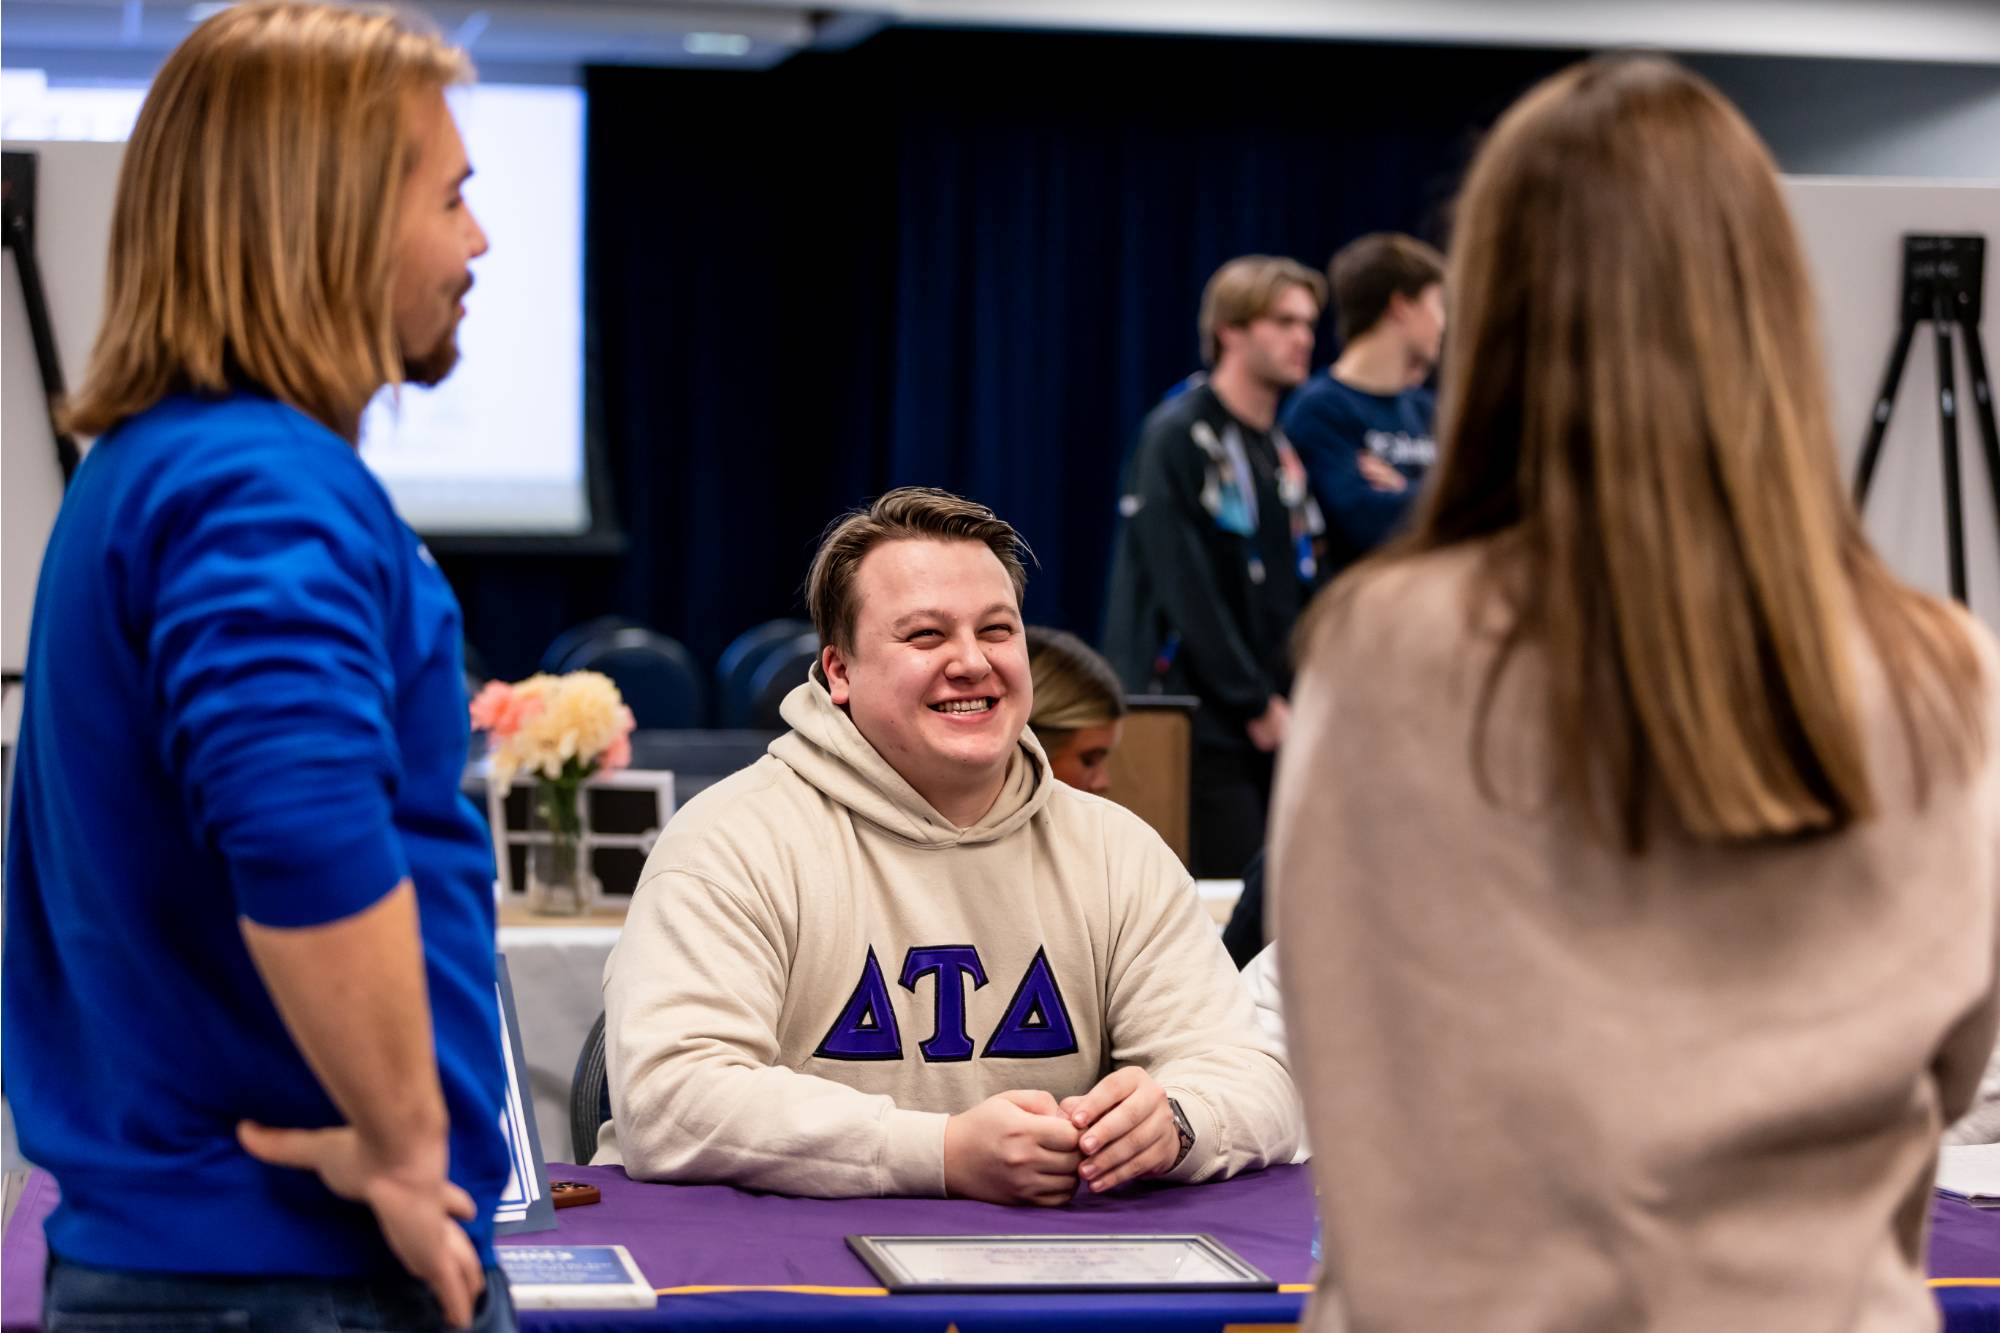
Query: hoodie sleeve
point(1176, 1007)
point(692, 995)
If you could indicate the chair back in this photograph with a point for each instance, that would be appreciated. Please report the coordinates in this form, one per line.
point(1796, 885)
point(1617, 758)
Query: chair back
point(658, 677)
point(783, 670)
point(736, 670)
point(556, 656)
point(589, 1096)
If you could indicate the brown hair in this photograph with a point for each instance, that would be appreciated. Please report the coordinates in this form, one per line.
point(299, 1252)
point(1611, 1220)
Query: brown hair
point(1368, 270)
point(252, 240)
point(1634, 406)
point(1074, 687)
point(1245, 289)
point(911, 513)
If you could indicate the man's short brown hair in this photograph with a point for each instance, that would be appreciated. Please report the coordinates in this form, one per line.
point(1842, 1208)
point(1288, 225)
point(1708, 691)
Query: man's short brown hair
point(1367, 271)
point(1245, 289)
point(911, 513)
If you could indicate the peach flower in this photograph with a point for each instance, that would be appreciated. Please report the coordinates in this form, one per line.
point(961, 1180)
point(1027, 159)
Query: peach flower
point(553, 726)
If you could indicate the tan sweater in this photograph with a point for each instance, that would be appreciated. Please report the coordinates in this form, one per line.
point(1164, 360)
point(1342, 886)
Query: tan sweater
point(1553, 1088)
point(818, 969)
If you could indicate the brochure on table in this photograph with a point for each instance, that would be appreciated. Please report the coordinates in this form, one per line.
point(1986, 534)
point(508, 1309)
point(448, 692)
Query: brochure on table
point(575, 1277)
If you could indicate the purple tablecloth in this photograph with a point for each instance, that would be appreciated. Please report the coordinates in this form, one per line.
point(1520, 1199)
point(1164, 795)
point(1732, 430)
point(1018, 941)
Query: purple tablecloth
point(713, 1236)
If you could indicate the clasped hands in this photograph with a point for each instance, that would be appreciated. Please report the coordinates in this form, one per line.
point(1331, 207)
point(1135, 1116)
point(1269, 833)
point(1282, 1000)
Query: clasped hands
point(1026, 1147)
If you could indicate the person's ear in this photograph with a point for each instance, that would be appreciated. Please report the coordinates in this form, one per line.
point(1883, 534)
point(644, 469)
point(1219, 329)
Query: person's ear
point(834, 666)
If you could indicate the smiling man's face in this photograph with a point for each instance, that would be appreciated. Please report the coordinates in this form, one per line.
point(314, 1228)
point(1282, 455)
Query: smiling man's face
point(937, 678)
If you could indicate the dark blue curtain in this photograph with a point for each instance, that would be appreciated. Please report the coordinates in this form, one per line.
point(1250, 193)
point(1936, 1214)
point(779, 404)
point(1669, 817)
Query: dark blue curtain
point(959, 259)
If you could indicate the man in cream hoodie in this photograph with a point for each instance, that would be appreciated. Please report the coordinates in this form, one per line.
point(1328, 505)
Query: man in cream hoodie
point(895, 956)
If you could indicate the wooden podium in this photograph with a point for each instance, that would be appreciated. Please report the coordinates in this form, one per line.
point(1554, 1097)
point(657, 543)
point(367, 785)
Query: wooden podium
point(1149, 769)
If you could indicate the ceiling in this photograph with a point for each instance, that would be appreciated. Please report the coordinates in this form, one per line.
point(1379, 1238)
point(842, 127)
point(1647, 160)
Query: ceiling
point(539, 38)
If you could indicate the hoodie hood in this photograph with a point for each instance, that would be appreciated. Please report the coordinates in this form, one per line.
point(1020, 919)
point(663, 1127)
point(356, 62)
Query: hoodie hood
point(826, 749)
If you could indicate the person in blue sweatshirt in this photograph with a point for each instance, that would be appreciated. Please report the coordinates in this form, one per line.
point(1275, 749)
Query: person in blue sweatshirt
point(250, 1020)
point(1364, 429)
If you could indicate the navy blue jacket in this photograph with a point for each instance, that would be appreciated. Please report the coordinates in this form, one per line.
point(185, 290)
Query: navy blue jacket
point(1330, 423)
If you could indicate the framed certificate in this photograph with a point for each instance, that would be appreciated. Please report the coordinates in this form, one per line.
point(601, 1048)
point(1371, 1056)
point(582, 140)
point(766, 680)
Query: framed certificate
point(940, 1264)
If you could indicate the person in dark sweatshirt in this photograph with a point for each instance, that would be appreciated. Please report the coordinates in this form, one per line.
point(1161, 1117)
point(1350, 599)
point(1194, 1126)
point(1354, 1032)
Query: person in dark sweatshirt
point(1216, 552)
point(250, 1018)
point(1364, 428)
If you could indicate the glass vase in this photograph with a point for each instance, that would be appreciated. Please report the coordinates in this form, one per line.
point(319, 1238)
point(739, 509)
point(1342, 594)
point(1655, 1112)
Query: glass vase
point(559, 880)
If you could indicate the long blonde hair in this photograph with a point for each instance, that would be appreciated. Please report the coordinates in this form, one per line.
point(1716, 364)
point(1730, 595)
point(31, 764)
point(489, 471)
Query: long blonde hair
point(1634, 405)
point(253, 237)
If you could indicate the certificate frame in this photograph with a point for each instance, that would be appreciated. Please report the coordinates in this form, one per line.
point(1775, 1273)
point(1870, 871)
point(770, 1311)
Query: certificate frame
point(884, 1257)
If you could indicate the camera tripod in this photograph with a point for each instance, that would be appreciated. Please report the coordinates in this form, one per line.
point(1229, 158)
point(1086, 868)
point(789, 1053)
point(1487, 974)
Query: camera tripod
point(1942, 281)
point(17, 230)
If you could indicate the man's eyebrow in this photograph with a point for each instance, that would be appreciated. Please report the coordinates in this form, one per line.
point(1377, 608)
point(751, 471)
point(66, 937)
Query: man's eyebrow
point(932, 613)
point(463, 177)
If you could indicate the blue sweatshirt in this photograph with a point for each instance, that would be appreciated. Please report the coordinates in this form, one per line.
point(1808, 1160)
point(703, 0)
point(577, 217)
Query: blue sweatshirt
point(244, 699)
point(1330, 423)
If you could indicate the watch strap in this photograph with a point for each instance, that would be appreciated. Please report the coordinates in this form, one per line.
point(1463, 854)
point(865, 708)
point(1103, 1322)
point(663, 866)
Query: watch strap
point(1183, 1129)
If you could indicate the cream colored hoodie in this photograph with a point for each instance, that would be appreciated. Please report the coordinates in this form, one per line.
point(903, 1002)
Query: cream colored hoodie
point(818, 969)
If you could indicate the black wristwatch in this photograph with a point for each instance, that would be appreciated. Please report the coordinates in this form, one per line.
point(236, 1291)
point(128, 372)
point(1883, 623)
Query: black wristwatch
point(1182, 1128)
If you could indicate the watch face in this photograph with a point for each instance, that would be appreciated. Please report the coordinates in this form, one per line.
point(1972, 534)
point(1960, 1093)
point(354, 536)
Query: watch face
point(1181, 1128)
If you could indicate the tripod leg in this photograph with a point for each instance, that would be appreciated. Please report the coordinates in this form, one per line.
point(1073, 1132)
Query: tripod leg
point(1885, 403)
point(1954, 522)
point(1982, 409)
point(21, 245)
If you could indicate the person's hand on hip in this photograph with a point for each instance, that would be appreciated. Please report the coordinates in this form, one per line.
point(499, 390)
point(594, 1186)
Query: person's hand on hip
point(416, 1205)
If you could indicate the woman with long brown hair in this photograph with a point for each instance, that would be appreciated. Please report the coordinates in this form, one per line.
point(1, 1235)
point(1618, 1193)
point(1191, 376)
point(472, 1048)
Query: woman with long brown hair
point(1635, 843)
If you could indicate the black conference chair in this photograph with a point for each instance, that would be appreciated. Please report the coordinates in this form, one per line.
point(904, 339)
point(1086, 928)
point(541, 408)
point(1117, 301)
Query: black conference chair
point(782, 672)
point(589, 1096)
point(555, 657)
point(736, 670)
point(658, 677)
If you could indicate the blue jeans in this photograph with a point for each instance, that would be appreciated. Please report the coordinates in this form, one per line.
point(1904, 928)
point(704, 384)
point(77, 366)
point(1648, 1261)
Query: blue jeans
point(86, 1300)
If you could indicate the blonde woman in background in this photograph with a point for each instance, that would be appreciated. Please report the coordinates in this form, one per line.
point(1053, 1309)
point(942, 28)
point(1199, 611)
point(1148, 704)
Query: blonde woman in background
point(1079, 708)
point(1634, 854)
